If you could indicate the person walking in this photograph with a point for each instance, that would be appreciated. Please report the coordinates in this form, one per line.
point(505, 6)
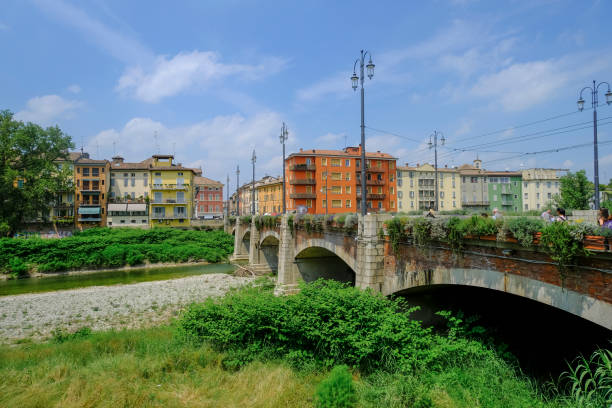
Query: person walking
point(560, 215)
point(604, 218)
point(496, 214)
point(546, 216)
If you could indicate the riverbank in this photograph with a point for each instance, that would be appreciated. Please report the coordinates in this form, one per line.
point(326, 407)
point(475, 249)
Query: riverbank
point(33, 317)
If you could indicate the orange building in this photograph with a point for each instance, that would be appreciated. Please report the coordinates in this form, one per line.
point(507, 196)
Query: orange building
point(320, 179)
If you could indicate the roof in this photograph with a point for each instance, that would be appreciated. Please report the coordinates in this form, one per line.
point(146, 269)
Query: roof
point(143, 165)
point(85, 160)
point(503, 173)
point(348, 152)
point(421, 168)
point(198, 180)
point(163, 156)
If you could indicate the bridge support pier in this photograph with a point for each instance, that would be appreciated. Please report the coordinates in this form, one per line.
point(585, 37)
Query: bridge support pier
point(370, 253)
point(288, 274)
point(239, 253)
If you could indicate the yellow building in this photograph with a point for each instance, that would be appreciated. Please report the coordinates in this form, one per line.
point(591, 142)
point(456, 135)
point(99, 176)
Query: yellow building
point(416, 188)
point(62, 208)
point(269, 193)
point(129, 193)
point(540, 186)
point(171, 192)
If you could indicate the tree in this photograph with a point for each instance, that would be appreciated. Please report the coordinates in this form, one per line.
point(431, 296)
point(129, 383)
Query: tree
point(30, 177)
point(575, 191)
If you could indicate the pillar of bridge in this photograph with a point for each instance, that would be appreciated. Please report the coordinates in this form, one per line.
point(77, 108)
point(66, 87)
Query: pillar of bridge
point(288, 274)
point(370, 252)
point(239, 252)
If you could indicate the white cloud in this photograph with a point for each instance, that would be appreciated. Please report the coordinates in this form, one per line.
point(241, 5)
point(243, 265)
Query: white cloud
point(4, 27)
point(43, 110)
point(568, 164)
point(74, 88)
point(331, 140)
point(217, 144)
point(336, 85)
point(184, 71)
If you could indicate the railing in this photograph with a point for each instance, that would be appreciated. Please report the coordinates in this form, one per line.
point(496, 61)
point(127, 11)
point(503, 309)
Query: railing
point(168, 217)
point(371, 169)
point(479, 203)
point(299, 167)
point(126, 201)
point(303, 181)
point(373, 196)
point(302, 195)
point(183, 186)
point(375, 182)
point(89, 203)
point(90, 190)
point(169, 201)
point(90, 219)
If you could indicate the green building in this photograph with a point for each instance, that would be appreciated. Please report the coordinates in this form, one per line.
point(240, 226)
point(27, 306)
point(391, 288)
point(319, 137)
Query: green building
point(505, 190)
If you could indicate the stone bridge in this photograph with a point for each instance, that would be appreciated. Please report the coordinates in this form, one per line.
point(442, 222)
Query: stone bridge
point(364, 258)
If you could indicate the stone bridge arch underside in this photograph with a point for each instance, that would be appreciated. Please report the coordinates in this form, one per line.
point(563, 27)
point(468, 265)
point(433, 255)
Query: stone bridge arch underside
point(584, 306)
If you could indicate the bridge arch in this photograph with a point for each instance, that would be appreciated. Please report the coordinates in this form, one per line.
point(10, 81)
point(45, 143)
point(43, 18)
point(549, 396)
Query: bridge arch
point(318, 258)
point(268, 248)
point(581, 305)
point(245, 241)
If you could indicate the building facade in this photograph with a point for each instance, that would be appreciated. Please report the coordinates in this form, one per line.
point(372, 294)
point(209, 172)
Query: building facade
point(474, 189)
point(63, 207)
point(504, 189)
point(329, 181)
point(269, 195)
point(91, 187)
point(128, 202)
point(416, 188)
point(540, 186)
point(208, 197)
point(171, 192)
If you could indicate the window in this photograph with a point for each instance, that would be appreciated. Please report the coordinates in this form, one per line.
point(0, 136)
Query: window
point(525, 184)
point(391, 190)
point(324, 203)
point(347, 176)
point(95, 172)
point(308, 203)
point(412, 194)
point(125, 174)
point(347, 189)
point(157, 174)
point(441, 194)
point(526, 207)
point(525, 196)
point(348, 203)
point(347, 162)
point(549, 195)
point(180, 173)
point(133, 182)
point(399, 182)
point(548, 184)
point(323, 161)
point(308, 162)
point(391, 165)
point(537, 196)
point(454, 204)
point(442, 204)
point(412, 204)
point(494, 187)
point(336, 203)
point(454, 194)
point(78, 170)
point(336, 189)
point(125, 182)
point(133, 195)
point(473, 179)
point(400, 194)
point(380, 205)
point(157, 197)
point(336, 162)
point(112, 182)
point(391, 177)
point(336, 176)
point(146, 180)
point(392, 204)
point(538, 206)
point(86, 171)
point(538, 184)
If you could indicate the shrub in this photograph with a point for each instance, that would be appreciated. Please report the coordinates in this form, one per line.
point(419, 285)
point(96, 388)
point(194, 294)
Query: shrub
point(562, 247)
point(17, 267)
point(337, 390)
point(523, 229)
point(61, 335)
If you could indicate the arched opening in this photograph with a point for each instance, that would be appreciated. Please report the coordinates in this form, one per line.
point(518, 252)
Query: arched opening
point(269, 252)
point(316, 262)
point(542, 337)
point(246, 243)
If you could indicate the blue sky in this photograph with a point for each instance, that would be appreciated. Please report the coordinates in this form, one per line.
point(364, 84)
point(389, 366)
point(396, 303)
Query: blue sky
point(215, 79)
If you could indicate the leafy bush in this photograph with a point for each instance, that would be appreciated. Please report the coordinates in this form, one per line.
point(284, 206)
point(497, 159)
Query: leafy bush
point(523, 229)
point(337, 390)
point(17, 267)
point(326, 322)
point(61, 335)
point(479, 226)
point(562, 247)
point(105, 247)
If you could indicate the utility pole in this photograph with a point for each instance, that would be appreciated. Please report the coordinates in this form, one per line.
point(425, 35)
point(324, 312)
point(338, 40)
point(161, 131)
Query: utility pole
point(355, 80)
point(284, 135)
point(253, 160)
point(238, 190)
point(227, 211)
point(435, 135)
point(594, 104)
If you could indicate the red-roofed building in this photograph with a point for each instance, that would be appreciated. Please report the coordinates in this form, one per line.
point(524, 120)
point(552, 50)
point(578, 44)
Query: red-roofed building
point(208, 197)
point(320, 180)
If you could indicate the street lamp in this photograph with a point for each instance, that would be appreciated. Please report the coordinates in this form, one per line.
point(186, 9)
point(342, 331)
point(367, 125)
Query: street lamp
point(284, 135)
point(253, 160)
point(326, 188)
point(434, 145)
point(238, 190)
point(355, 80)
point(227, 210)
point(594, 104)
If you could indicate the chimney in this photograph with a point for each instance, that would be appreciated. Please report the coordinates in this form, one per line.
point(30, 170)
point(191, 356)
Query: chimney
point(301, 149)
point(117, 159)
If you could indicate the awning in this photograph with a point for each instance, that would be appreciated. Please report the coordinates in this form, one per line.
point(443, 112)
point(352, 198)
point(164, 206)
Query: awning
point(89, 210)
point(117, 207)
point(137, 207)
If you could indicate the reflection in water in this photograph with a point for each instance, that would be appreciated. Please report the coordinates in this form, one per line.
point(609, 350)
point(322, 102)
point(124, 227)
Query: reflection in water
point(540, 336)
point(58, 282)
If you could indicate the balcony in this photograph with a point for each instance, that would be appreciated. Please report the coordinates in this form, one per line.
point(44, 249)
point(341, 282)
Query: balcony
point(373, 182)
point(370, 169)
point(89, 203)
point(476, 203)
point(90, 219)
point(302, 195)
point(507, 203)
point(184, 186)
point(373, 196)
point(122, 200)
point(62, 206)
point(303, 167)
point(88, 190)
point(169, 201)
point(303, 181)
point(169, 217)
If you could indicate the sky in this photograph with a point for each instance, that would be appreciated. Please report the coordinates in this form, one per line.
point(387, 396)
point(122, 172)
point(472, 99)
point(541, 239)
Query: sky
point(211, 81)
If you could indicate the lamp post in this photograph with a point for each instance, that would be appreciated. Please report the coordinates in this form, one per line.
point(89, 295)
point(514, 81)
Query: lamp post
point(326, 189)
point(238, 190)
point(227, 211)
point(253, 160)
point(284, 134)
point(355, 80)
point(594, 104)
point(434, 145)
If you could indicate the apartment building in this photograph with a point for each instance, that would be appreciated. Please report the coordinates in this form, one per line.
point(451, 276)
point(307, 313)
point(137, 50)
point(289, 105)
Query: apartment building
point(128, 194)
point(171, 192)
point(208, 197)
point(91, 187)
point(474, 189)
point(416, 188)
point(504, 190)
point(329, 181)
point(540, 186)
point(62, 207)
point(269, 195)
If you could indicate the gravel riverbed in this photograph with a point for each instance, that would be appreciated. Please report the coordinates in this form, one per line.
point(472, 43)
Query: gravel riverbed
point(34, 316)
